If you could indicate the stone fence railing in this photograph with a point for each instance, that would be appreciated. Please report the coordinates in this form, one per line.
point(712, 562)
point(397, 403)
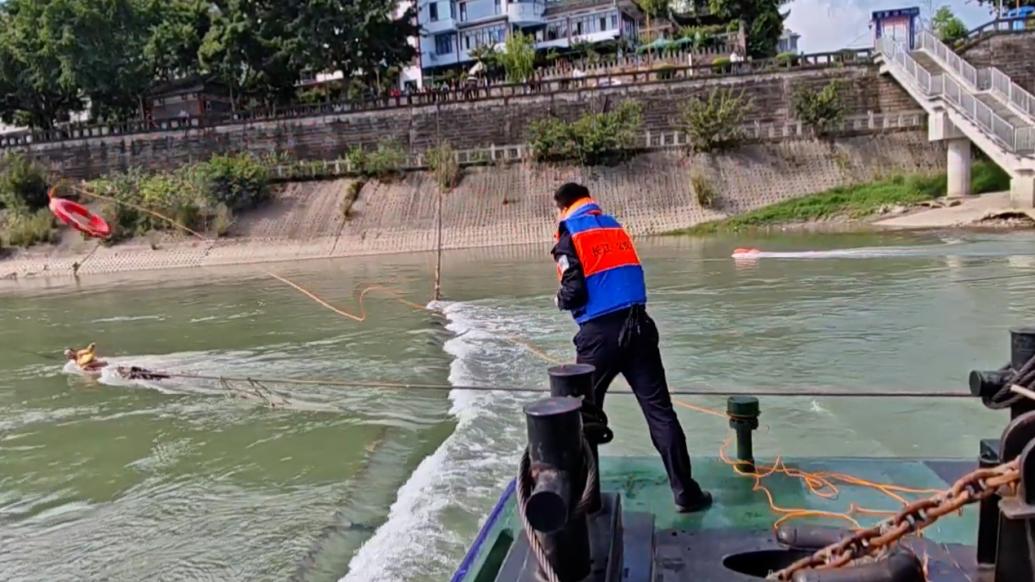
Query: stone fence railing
point(999, 26)
point(638, 61)
point(462, 94)
point(648, 141)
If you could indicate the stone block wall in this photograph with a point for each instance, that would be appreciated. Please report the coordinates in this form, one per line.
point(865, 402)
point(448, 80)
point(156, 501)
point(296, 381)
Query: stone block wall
point(472, 124)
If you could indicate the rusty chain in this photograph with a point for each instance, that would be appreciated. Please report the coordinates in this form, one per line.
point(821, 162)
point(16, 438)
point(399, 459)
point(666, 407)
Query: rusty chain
point(871, 542)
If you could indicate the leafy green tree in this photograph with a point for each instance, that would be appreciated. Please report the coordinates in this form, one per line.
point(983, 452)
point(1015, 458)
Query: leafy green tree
point(763, 22)
point(176, 36)
point(36, 87)
point(947, 26)
point(102, 43)
point(654, 9)
point(518, 57)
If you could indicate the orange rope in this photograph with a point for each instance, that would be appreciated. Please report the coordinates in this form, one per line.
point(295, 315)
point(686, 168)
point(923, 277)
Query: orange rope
point(822, 484)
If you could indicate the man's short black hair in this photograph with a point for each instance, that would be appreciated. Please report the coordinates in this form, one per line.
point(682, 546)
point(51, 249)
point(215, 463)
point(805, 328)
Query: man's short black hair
point(569, 194)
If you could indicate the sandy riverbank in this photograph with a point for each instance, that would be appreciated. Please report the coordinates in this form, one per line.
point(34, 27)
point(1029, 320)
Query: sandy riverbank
point(495, 206)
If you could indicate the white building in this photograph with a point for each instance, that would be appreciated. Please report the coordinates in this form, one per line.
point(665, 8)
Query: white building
point(452, 29)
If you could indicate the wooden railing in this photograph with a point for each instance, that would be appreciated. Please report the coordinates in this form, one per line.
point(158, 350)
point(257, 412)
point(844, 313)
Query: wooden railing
point(647, 141)
point(468, 93)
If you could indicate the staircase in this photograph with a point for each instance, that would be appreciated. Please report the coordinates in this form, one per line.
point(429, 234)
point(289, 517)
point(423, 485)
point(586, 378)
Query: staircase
point(982, 105)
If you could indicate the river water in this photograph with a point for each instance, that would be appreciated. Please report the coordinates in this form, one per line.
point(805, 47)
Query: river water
point(192, 481)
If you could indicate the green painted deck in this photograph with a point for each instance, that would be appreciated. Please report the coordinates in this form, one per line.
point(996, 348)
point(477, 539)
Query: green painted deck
point(739, 511)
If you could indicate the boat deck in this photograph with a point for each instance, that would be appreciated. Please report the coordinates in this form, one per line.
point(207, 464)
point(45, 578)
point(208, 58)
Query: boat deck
point(693, 547)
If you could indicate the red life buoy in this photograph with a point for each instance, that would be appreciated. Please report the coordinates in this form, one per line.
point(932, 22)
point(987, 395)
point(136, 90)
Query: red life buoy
point(79, 217)
point(745, 251)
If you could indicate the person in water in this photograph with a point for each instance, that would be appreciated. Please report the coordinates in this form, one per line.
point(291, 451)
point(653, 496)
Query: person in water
point(602, 285)
point(85, 358)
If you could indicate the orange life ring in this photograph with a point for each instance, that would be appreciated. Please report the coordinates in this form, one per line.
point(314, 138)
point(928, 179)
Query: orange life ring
point(745, 251)
point(79, 217)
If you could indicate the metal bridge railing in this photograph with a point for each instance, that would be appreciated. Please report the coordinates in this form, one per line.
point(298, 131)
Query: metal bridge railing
point(966, 71)
point(989, 78)
point(959, 97)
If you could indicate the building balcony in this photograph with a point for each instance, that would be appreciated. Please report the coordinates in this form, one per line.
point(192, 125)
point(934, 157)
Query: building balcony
point(438, 26)
point(521, 13)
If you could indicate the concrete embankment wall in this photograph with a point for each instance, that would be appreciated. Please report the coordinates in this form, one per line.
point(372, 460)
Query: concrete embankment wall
point(512, 204)
point(481, 123)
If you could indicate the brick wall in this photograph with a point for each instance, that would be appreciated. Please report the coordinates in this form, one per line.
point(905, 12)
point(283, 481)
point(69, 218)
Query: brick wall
point(464, 124)
point(1012, 53)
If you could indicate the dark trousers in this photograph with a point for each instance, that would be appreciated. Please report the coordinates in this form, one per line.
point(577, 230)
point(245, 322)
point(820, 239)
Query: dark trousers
point(638, 359)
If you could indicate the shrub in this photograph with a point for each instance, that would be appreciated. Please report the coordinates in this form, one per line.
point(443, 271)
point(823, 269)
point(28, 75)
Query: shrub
point(351, 195)
point(704, 193)
point(714, 123)
point(442, 162)
point(238, 181)
point(722, 66)
point(23, 183)
point(381, 163)
point(787, 59)
point(199, 197)
point(222, 220)
point(24, 228)
point(594, 138)
point(551, 140)
point(820, 110)
point(602, 137)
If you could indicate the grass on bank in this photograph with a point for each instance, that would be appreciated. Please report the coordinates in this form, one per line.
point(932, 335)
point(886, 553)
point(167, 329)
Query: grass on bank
point(855, 202)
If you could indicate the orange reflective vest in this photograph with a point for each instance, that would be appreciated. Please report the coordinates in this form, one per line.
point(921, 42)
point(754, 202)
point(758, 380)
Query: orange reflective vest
point(614, 276)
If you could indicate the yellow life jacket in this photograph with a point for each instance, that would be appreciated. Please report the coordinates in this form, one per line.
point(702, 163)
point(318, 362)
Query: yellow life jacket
point(86, 356)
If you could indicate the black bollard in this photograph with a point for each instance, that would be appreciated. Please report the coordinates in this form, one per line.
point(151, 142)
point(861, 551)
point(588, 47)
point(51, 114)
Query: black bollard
point(576, 381)
point(558, 470)
point(743, 412)
point(986, 384)
point(1014, 559)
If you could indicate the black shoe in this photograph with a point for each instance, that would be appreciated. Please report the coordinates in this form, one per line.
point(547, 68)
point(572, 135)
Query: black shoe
point(701, 503)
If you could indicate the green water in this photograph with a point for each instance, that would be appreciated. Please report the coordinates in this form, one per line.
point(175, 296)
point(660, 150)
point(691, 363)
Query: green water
point(190, 482)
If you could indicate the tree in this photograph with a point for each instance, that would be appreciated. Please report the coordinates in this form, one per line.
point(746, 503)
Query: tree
point(36, 88)
point(175, 39)
point(763, 22)
point(262, 47)
point(947, 26)
point(518, 57)
point(101, 43)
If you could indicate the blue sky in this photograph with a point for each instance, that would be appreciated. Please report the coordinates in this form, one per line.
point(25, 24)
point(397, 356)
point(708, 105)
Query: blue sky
point(827, 25)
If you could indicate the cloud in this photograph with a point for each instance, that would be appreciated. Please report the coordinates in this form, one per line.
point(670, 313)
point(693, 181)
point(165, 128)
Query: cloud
point(829, 25)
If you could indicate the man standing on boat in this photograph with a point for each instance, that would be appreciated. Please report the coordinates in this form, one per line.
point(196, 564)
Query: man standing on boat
point(602, 285)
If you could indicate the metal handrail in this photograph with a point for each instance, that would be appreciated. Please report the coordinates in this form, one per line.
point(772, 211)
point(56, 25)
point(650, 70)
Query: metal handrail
point(966, 71)
point(958, 96)
point(990, 78)
point(1009, 90)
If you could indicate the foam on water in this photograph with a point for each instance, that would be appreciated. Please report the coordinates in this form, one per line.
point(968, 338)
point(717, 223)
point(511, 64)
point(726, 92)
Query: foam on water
point(463, 478)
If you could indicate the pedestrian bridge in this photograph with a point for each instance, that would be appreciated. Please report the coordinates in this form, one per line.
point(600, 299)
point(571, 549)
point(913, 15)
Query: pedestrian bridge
point(967, 105)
